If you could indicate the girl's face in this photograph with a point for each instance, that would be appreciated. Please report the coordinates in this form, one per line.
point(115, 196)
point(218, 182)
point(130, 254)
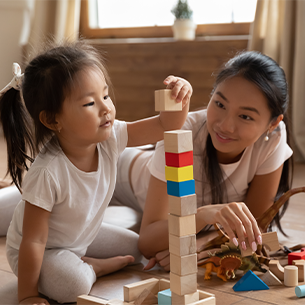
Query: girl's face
point(237, 115)
point(88, 114)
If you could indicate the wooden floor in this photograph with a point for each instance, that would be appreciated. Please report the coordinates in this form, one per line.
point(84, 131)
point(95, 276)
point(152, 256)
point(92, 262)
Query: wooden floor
point(111, 286)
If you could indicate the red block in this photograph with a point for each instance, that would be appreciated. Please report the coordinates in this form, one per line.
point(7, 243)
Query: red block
point(295, 256)
point(179, 160)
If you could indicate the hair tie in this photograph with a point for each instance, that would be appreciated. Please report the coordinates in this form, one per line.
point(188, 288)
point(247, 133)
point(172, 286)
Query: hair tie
point(16, 81)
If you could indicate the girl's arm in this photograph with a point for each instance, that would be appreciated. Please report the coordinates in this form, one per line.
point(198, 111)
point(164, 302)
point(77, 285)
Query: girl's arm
point(32, 247)
point(151, 130)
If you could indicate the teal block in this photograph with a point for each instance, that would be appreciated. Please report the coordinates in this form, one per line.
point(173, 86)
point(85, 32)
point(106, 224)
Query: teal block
point(180, 189)
point(250, 281)
point(300, 291)
point(165, 297)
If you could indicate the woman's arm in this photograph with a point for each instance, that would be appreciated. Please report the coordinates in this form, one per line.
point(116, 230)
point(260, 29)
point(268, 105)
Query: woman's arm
point(151, 130)
point(32, 247)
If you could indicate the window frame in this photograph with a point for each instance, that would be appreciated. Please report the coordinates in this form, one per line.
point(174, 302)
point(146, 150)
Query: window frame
point(217, 29)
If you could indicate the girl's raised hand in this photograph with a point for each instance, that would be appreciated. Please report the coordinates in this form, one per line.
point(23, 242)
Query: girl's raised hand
point(236, 220)
point(34, 301)
point(181, 89)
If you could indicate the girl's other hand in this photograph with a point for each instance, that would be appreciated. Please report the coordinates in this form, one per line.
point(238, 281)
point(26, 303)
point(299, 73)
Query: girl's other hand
point(234, 217)
point(34, 301)
point(181, 89)
point(161, 258)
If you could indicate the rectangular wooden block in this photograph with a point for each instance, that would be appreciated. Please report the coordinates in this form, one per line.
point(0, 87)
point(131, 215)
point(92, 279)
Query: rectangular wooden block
point(132, 291)
point(179, 189)
point(270, 240)
point(183, 284)
point(164, 284)
point(164, 102)
point(185, 299)
point(181, 226)
point(301, 269)
point(182, 206)
point(90, 300)
point(183, 245)
point(178, 141)
point(248, 251)
point(179, 160)
point(183, 265)
point(179, 174)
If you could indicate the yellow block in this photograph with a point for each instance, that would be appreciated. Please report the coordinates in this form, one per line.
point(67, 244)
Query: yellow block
point(179, 174)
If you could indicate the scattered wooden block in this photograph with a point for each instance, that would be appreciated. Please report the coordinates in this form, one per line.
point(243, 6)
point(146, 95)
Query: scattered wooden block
point(179, 174)
point(90, 300)
point(270, 279)
point(132, 291)
point(185, 299)
point(276, 268)
point(291, 276)
point(270, 240)
point(296, 256)
point(182, 206)
point(178, 141)
point(250, 281)
point(183, 245)
point(300, 291)
point(164, 102)
point(179, 160)
point(165, 297)
point(146, 297)
point(248, 251)
point(301, 269)
point(183, 284)
point(181, 226)
point(180, 189)
point(183, 265)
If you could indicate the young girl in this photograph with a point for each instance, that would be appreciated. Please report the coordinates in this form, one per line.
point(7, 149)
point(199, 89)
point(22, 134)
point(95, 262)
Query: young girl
point(240, 159)
point(55, 243)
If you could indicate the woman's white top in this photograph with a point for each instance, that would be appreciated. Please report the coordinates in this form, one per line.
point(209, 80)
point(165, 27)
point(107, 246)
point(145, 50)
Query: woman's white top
point(76, 200)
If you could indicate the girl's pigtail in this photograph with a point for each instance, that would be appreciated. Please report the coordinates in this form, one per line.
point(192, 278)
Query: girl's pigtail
point(17, 129)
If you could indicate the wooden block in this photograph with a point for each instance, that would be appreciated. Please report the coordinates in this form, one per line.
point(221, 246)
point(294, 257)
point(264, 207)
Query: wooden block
point(185, 299)
point(276, 268)
point(205, 298)
point(180, 189)
point(291, 276)
point(132, 291)
point(301, 269)
point(178, 141)
point(179, 160)
point(164, 102)
point(179, 174)
point(90, 300)
point(164, 284)
point(183, 245)
point(183, 284)
point(117, 302)
point(182, 206)
point(248, 251)
point(296, 256)
point(165, 297)
point(182, 226)
point(183, 265)
point(146, 297)
point(270, 240)
point(270, 279)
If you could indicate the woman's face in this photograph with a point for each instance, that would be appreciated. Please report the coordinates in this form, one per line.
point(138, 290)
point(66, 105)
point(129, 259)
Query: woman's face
point(237, 115)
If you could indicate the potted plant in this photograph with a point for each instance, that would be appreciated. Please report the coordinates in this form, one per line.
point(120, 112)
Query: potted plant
point(184, 28)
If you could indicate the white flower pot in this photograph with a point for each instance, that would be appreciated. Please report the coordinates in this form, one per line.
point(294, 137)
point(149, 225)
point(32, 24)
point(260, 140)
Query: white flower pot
point(184, 29)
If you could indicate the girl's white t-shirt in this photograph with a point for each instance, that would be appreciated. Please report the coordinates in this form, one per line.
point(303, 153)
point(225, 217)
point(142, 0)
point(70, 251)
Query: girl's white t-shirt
point(77, 200)
point(258, 159)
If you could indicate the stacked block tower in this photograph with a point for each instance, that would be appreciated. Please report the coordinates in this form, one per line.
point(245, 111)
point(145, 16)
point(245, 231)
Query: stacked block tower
point(178, 147)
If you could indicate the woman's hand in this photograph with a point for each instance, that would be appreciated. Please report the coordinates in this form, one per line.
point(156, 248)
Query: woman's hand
point(34, 301)
point(181, 89)
point(162, 258)
point(236, 220)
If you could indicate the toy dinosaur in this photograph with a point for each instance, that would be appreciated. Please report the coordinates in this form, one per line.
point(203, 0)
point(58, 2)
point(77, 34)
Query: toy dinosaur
point(229, 259)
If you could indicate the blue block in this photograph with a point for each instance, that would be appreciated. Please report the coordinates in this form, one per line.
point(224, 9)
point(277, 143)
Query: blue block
point(250, 281)
point(180, 189)
point(165, 297)
point(300, 291)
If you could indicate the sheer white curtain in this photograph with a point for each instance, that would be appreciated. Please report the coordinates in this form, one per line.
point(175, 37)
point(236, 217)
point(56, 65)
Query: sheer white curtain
point(279, 32)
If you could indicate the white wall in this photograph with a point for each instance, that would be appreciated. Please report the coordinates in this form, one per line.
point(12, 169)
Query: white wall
point(15, 22)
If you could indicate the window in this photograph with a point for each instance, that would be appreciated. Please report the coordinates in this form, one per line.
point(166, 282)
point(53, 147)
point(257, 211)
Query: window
point(153, 18)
